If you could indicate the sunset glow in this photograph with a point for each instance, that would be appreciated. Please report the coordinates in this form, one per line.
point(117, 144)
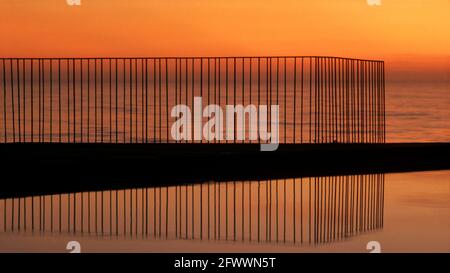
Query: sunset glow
point(400, 32)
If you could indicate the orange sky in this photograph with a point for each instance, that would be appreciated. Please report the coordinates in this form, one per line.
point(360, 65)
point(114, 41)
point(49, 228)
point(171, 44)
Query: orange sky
point(411, 36)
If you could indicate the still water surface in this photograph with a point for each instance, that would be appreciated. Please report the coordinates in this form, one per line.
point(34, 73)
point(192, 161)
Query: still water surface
point(404, 212)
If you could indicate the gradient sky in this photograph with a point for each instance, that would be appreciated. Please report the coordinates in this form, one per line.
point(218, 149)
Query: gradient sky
point(412, 36)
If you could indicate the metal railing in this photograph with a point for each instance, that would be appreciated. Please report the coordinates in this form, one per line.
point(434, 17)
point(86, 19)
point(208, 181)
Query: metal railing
point(129, 100)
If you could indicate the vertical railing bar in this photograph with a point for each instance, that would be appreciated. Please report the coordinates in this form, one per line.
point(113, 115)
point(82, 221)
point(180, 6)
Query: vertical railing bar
point(234, 101)
point(328, 133)
point(355, 100)
point(325, 113)
point(369, 100)
point(346, 99)
point(362, 79)
point(39, 104)
point(167, 101)
point(215, 139)
point(332, 101)
point(12, 102)
point(365, 90)
point(342, 115)
point(110, 100)
point(352, 119)
point(154, 100)
point(384, 112)
point(117, 111)
point(367, 106)
point(74, 101)
point(43, 102)
point(250, 88)
point(374, 101)
point(101, 105)
point(319, 110)
point(243, 116)
point(295, 118)
point(316, 102)
point(310, 102)
point(259, 103)
point(373, 105)
point(160, 100)
point(51, 101)
point(338, 112)
point(4, 110)
point(142, 102)
point(285, 100)
point(377, 67)
point(131, 102)
point(335, 99)
point(327, 101)
point(324, 103)
point(351, 101)
point(136, 102)
point(201, 137)
point(315, 106)
point(179, 100)
point(372, 96)
point(379, 104)
point(24, 106)
point(88, 101)
point(186, 91)
point(301, 109)
point(124, 103)
point(220, 122)
point(363, 101)
point(146, 103)
point(358, 102)
point(209, 113)
point(32, 99)
point(268, 116)
point(95, 100)
point(267, 97)
point(192, 128)
point(59, 100)
point(18, 107)
point(177, 140)
point(226, 103)
point(81, 103)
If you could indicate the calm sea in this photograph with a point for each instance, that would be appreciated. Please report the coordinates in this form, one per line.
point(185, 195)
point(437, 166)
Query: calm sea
point(418, 112)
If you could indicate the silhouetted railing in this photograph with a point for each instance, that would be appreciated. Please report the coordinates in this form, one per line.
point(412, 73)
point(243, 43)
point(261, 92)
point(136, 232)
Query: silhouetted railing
point(321, 99)
point(308, 210)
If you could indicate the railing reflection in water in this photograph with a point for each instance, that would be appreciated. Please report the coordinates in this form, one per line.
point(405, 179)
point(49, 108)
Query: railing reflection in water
point(301, 210)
